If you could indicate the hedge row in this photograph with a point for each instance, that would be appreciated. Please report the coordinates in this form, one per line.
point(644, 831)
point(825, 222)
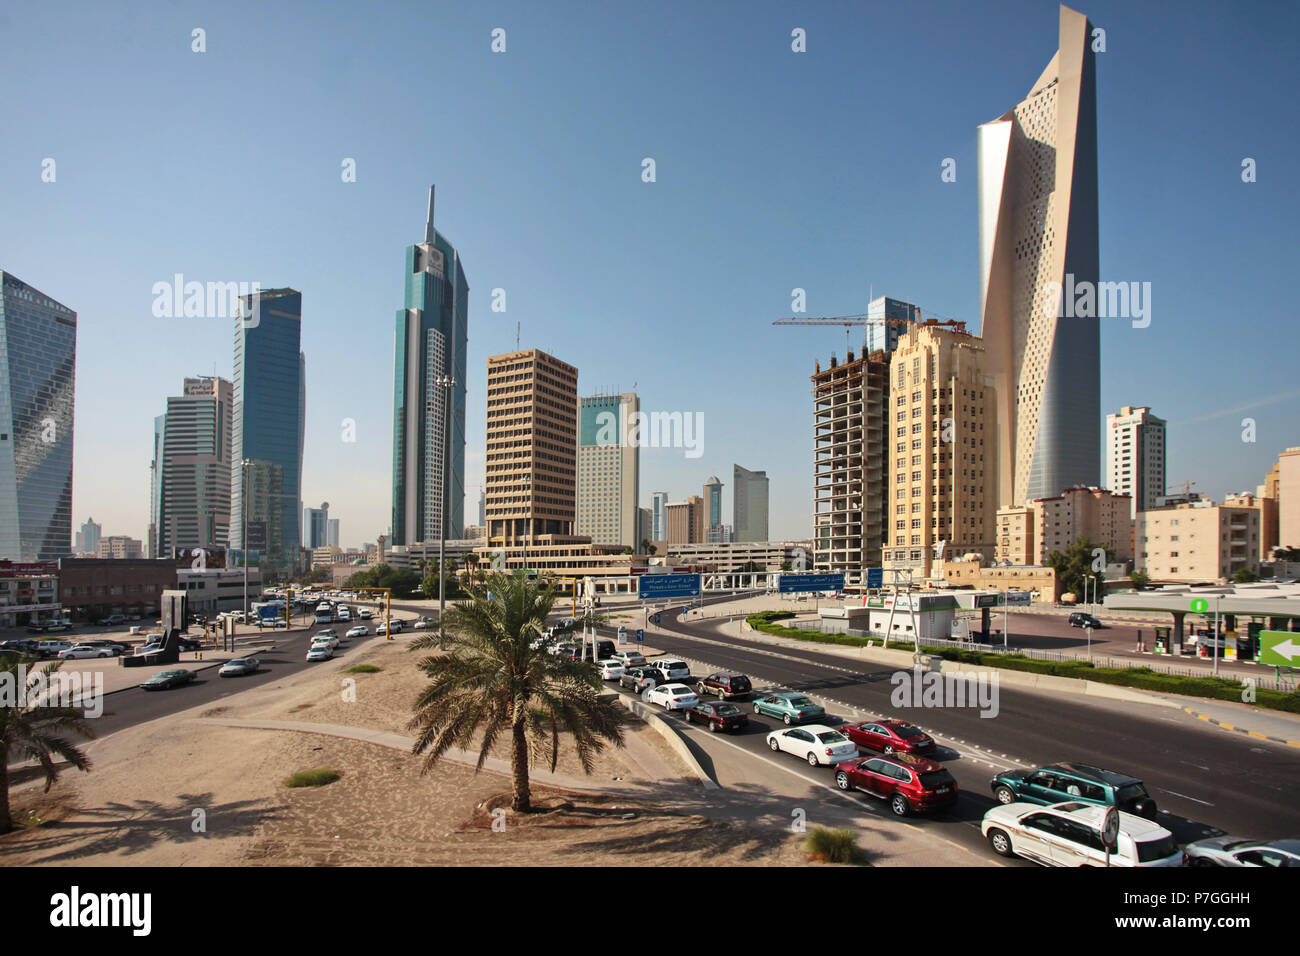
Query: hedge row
point(1141, 678)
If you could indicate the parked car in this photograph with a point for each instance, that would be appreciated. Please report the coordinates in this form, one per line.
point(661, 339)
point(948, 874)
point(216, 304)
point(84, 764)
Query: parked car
point(724, 684)
point(640, 679)
point(52, 648)
point(113, 620)
point(165, 680)
point(610, 669)
point(1069, 834)
point(24, 645)
point(671, 696)
point(238, 667)
point(1062, 782)
point(890, 736)
point(80, 651)
point(818, 744)
point(359, 631)
point(717, 715)
point(1083, 619)
point(672, 669)
point(1236, 851)
point(911, 784)
point(117, 647)
point(320, 652)
point(790, 708)
point(631, 658)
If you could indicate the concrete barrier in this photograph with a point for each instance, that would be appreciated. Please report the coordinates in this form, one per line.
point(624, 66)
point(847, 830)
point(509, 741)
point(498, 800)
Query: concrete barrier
point(670, 734)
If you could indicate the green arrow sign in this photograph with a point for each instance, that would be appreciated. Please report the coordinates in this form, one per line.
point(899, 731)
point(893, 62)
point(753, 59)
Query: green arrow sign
point(1200, 606)
point(1279, 648)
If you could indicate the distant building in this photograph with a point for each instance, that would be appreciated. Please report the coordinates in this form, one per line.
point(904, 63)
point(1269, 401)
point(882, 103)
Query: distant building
point(609, 469)
point(658, 504)
point(315, 527)
point(1197, 542)
point(713, 509)
point(1135, 456)
point(735, 555)
point(1028, 534)
point(749, 504)
point(684, 521)
point(332, 532)
point(644, 528)
point(1268, 524)
point(887, 319)
point(1288, 498)
point(120, 548)
point(190, 471)
point(88, 537)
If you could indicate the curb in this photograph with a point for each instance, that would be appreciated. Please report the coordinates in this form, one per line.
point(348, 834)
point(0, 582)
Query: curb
point(1241, 730)
point(670, 734)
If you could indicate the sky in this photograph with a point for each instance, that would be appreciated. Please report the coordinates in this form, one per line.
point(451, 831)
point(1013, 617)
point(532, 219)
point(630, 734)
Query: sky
point(774, 170)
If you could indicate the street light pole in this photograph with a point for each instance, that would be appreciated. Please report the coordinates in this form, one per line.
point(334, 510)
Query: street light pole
point(447, 383)
point(243, 506)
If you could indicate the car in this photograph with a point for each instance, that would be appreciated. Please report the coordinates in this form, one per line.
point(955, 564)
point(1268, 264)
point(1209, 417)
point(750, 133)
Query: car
point(672, 669)
point(790, 708)
point(630, 658)
point(717, 715)
point(421, 625)
point(389, 627)
point(115, 648)
point(610, 669)
point(79, 651)
point(328, 632)
point(566, 649)
point(320, 652)
point(331, 642)
point(1236, 851)
point(911, 784)
point(24, 645)
point(57, 625)
point(1083, 619)
point(238, 667)
point(1062, 782)
point(52, 648)
point(1070, 834)
point(113, 620)
point(818, 744)
point(640, 679)
point(165, 680)
point(671, 696)
point(345, 614)
point(364, 614)
point(724, 684)
point(359, 631)
point(890, 736)
point(329, 636)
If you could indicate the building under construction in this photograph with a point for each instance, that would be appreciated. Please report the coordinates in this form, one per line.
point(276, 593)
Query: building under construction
point(850, 402)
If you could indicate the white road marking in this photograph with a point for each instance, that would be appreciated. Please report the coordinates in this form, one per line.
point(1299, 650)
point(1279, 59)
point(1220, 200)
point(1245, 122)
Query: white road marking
point(1185, 797)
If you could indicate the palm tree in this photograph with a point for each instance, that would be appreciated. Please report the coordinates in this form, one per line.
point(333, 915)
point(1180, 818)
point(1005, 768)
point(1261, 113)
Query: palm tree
point(30, 729)
point(491, 681)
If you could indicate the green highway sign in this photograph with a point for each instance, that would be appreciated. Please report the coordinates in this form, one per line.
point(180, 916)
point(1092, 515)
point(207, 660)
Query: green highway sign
point(1200, 606)
point(1279, 648)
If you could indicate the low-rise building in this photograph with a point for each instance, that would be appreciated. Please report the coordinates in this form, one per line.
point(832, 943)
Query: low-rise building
point(114, 585)
point(213, 590)
point(28, 593)
point(1197, 542)
point(972, 572)
point(738, 555)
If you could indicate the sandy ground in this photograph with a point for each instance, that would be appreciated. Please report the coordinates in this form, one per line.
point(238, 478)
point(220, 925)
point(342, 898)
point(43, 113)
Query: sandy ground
point(176, 792)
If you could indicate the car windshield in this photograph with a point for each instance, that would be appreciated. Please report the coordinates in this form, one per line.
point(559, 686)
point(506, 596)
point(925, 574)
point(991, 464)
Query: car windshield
point(908, 732)
point(238, 662)
point(832, 737)
point(1158, 849)
point(800, 702)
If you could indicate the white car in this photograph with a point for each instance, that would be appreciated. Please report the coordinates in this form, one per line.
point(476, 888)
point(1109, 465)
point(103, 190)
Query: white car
point(364, 614)
point(359, 631)
point(320, 652)
point(329, 636)
point(630, 658)
point(611, 669)
point(1237, 851)
point(1069, 834)
point(345, 614)
point(672, 669)
point(671, 696)
point(78, 651)
point(384, 628)
point(818, 744)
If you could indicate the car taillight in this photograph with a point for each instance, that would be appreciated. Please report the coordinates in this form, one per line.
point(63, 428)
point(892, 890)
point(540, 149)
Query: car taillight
point(830, 752)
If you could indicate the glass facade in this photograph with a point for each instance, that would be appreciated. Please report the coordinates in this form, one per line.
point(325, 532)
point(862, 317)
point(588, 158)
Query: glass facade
point(38, 347)
point(267, 429)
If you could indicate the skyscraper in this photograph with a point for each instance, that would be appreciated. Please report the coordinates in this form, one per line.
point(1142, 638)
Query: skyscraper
point(332, 533)
point(1038, 233)
point(315, 527)
point(267, 429)
point(749, 504)
point(714, 530)
point(190, 471)
point(1135, 456)
point(658, 519)
point(88, 537)
point(38, 352)
point(882, 336)
point(609, 466)
point(431, 341)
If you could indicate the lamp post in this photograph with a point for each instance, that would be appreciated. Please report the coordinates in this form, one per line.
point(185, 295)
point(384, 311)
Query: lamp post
point(447, 383)
point(243, 506)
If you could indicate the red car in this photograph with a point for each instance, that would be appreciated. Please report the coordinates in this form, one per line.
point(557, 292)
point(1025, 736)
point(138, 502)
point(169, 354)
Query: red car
point(725, 684)
point(718, 716)
point(910, 784)
point(890, 736)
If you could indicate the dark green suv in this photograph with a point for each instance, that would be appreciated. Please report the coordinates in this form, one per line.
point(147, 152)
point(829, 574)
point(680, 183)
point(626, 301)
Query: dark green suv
point(1063, 782)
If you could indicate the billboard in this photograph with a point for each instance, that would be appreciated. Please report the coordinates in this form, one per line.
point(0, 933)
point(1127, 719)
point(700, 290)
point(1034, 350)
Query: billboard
point(235, 558)
point(29, 570)
point(799, 583)
point(199, 558)
point(653, 587)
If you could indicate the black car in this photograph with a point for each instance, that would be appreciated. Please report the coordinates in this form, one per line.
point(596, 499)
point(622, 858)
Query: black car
point(1082, 619)
point(1064, 782)
point(165, 680)
point(718, 715)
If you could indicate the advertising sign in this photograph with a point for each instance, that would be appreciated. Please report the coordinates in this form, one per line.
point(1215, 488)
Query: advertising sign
point(199, 559)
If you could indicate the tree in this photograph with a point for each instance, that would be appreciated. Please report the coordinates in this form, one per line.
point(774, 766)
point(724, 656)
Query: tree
point(429, 587)
point(1140, 580)
point(750, 566)
point(647, 547)
point(491, 682)
point(1244, 576)
point(1076, 563)
point(32, 730)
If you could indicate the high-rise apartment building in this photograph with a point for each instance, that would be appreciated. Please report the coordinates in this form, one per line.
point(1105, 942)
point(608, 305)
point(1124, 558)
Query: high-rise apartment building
point(88, 537)
point(430, 343)
point(609, 469)
point(658, 518)
point(315, 527)
point(887, 319)
point(269, 390)
point(849, 471)
point(532, 448)
point(1038, 236)
point(1135, 456)
point(332, 533)
point(38, 357)
point(684, 521)
point(941, 497)
point(749, 504)
point(191, 468)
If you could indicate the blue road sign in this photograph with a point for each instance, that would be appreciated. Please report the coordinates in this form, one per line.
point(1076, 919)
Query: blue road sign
point(640, 636)
point(659, 586)
point(797, 583)
point(875, 577)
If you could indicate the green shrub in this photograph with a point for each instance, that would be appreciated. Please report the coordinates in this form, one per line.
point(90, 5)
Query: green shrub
point(832, 846)
point(313, 778)
point(363, 669)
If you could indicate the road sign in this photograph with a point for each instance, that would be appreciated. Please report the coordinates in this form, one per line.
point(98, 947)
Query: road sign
point(658, 586)
point(1200, 606)
point(622, 634)
point(798, 583)
point(640, 635)
point(657, 616)
point(1110, 828)
point(1279, 648)
point(875, 577)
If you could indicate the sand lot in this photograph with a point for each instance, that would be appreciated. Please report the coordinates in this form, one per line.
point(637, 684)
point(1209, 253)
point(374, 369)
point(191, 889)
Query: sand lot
point(188, 792)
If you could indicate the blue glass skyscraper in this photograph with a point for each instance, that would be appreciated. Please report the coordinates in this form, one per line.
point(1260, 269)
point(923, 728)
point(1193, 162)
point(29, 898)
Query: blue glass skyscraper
point(431, 341)
point(38, 350)
point(267, 429)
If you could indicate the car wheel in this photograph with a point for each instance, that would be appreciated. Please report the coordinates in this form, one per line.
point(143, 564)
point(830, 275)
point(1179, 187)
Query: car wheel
point(758, 710)
point(1004, 795)
point(842, 781)
point(1000, 842)
point(889, 748)
point(812, 759)
point(714, 727)
point(1202, 861)
point(898, 803)
point(773, 744)
point(788, 720)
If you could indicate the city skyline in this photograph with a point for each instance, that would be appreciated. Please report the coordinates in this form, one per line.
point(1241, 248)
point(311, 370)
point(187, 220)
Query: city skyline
point(503, 230)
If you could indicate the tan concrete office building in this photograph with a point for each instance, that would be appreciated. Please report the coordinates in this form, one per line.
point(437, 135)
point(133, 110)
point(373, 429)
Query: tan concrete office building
point(1092, 513)
point(1196, 542)
point(942, 490)
point(1016, 542)
point(685, 521)
point(1288, 498)
point(1267, 508)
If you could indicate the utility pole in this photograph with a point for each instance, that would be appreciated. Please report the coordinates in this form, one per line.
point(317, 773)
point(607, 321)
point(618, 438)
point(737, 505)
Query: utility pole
point(448, 385)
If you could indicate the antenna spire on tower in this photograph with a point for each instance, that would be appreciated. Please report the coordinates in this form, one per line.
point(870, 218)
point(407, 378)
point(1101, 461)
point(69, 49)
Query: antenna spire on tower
point(428, 225)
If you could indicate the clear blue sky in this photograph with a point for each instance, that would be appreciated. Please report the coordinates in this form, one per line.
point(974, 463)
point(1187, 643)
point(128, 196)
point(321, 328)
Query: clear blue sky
point(775, 170)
